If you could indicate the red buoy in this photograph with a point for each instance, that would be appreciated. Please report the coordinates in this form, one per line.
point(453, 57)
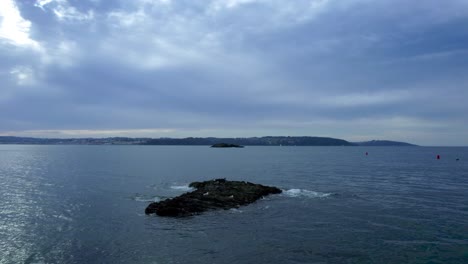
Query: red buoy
point(438, 156)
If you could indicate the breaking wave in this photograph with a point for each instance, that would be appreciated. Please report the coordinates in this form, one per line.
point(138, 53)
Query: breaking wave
point(305, 193)
point(146, 198)
point(184, 188)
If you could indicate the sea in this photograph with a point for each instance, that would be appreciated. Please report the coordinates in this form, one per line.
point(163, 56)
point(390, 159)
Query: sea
point(85, 204)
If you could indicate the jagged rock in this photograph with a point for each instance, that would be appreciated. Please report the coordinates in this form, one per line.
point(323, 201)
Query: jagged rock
point(211, 195)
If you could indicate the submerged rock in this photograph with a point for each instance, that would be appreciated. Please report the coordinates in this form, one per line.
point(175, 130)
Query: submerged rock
point(211, 195)
point(226, 145)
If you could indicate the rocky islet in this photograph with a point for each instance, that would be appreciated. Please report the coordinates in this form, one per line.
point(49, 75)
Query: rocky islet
point(211, 195)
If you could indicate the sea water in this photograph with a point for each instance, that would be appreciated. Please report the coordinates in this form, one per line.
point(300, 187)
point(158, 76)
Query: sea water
point(85, 204)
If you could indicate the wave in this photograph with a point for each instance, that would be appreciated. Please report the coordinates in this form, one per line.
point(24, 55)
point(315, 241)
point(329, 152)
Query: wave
point(146, 198)
point(305, 193)
point(184, 188)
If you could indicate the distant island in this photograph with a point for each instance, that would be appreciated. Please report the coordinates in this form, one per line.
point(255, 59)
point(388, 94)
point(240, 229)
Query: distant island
point(193, 141)
point(226, 145)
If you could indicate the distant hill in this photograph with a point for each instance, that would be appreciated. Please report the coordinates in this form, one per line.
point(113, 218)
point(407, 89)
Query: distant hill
point(253, 141)
point(384, 143)
point(71, 141)
point(209, 141)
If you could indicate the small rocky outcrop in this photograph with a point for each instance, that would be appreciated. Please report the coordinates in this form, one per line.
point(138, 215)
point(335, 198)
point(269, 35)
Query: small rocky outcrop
point(211, 195)
point(226, 145)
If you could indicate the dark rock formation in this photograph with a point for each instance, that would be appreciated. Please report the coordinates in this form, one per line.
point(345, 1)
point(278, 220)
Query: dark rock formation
point(226, 145)
point(211, 195)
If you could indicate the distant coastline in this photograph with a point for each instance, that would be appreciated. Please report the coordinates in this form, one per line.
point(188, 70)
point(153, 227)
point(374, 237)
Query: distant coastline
point(198, 141)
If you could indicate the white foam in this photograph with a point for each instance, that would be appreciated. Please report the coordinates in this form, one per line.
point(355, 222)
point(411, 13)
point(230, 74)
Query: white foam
point(305, 193)
point(235, 210)
point(184, 188)
point(145, 198)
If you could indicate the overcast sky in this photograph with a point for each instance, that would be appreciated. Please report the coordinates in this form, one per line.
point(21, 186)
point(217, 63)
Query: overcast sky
point(352, 69)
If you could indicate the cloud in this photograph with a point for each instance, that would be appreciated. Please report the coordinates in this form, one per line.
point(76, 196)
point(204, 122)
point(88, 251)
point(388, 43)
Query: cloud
point(13, 28)
point(92, 133)
point(64, 11)
point(365, 99)
point(351, 69)
point(23, 75)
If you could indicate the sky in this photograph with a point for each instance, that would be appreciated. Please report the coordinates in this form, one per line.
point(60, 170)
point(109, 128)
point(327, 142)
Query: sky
point(352, 69)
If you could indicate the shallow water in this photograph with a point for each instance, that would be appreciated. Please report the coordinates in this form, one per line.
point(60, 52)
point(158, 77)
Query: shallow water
point(85, 204)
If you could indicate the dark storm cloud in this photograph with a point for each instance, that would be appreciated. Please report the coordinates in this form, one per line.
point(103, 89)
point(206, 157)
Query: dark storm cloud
point(355, 69)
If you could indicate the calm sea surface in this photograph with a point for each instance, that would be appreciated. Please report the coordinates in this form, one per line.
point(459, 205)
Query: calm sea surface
point(85, 204)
